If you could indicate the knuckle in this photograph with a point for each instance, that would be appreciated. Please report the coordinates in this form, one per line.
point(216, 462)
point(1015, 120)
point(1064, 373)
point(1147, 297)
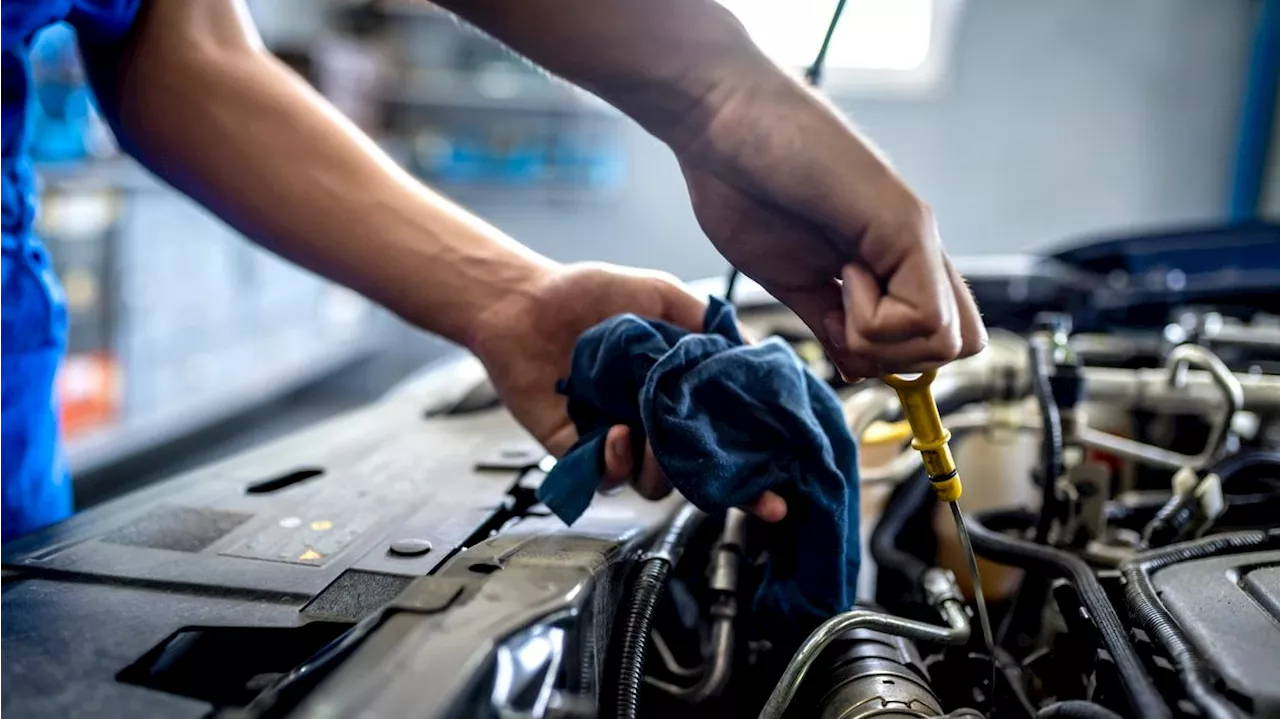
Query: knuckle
point(975, 344)
point(947, 346)
point(932, 319)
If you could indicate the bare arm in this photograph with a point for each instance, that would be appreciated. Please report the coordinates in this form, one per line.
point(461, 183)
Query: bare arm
point(663, 62)
point(782, 184)
point(195, 97)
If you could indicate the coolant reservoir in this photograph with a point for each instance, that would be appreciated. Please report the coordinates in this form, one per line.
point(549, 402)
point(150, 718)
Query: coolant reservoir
point(995, 466)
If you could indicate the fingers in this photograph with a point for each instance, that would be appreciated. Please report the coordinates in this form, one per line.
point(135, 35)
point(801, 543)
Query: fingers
point(769, 507)
point(973, 332)
point(822, 310)
point(651, 484)
point(925, 318)
point(620, 466)
point(680, 306)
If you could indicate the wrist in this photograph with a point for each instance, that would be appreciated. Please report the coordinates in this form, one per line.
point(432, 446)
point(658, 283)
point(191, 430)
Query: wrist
point(444, 270)
point(510, 291)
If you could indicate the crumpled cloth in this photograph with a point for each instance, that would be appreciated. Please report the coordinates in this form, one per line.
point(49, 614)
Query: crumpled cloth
point(726, 421)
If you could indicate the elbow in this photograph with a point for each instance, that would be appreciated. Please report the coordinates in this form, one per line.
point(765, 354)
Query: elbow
point(154, 95)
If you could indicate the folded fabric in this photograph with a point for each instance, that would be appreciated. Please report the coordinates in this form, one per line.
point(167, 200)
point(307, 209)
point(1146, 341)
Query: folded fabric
point(726, 421)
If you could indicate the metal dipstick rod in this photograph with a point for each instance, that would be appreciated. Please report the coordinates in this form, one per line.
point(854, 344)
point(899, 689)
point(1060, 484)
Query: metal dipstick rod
point(932, 441)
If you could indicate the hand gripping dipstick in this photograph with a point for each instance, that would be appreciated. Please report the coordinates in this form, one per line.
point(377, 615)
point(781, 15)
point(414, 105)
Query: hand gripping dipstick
point(932, 440)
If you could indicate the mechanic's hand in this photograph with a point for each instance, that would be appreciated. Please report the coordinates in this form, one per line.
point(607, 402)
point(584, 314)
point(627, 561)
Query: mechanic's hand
point(526, 343)
point(795, 199)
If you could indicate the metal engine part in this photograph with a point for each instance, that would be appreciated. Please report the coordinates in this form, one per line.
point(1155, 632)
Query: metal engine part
point(879, 675)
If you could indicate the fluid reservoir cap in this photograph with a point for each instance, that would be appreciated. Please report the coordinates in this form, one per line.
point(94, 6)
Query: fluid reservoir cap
point(410, 547)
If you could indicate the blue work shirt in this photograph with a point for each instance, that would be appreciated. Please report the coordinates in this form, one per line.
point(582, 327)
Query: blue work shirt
point(36, 485)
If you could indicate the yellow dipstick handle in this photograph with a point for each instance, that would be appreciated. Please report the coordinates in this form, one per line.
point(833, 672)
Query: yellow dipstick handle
point(930, 436)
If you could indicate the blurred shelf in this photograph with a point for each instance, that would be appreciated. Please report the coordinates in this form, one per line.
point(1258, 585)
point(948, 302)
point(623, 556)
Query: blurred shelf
point(133, 436)
point(498, 91)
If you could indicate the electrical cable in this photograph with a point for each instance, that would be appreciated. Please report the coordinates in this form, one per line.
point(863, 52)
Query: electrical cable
point(622, 696)
point(986, 529)
point(1032, 592)
point(1051, 450)
point(1146, 607)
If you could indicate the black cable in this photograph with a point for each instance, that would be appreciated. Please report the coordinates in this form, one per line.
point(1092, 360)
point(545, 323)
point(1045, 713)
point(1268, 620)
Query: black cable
point(1240, 462)
point(1027, 602)
point(1181, 517)
point(1051, 451)
point(884, 538)
point(730, 283)
point(1146, 607)
point(622, 697)
point(1076, 709)
point(286, 691)
point(814, 75)
point(637, 621)
point(985, 530)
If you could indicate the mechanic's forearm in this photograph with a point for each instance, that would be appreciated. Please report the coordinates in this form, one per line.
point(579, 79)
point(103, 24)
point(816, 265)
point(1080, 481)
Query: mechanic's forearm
point(666, 63)
point(689, 73)
point(247, 138)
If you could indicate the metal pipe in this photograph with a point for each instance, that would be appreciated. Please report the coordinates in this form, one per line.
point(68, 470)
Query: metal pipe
point(1132, 450)
point(724, 581)
point(867, 406)
point(1229, 401)
point(941, 590)
point(1000, 374)
point(1148, 389)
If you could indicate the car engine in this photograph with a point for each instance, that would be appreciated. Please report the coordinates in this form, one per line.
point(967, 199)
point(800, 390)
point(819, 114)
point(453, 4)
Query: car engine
point(1120, 440)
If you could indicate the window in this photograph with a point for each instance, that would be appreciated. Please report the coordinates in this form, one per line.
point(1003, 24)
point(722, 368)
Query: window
point(878, 44)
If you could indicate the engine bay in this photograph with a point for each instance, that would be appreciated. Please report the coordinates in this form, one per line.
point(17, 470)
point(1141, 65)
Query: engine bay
point(1120, 439)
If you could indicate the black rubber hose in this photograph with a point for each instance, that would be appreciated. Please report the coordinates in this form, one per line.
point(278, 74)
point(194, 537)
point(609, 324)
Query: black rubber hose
point(1176, 518)
point(631, 635)
point(1051, 451)
point(1076, 709)
point(1146, 608)
point(884, 539)
point(638, 619)
point(1171, 522)
point(985, 530)
point(1240, 462)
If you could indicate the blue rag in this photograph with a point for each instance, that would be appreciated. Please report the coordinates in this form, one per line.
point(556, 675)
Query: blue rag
point(726, 421)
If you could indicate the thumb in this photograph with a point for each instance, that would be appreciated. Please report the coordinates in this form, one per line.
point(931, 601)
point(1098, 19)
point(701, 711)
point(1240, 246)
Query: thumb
point(821, 308)
point(681, 307)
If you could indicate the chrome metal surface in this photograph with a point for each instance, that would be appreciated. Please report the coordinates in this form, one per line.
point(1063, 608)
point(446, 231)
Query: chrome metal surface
point(1221, 409)
point(724, 581)
point(955, 632)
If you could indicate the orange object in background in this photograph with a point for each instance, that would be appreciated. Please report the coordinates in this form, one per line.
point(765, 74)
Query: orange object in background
point(88, 392)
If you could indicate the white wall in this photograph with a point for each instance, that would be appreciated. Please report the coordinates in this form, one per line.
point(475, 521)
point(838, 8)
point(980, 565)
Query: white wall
point(1060, 118)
